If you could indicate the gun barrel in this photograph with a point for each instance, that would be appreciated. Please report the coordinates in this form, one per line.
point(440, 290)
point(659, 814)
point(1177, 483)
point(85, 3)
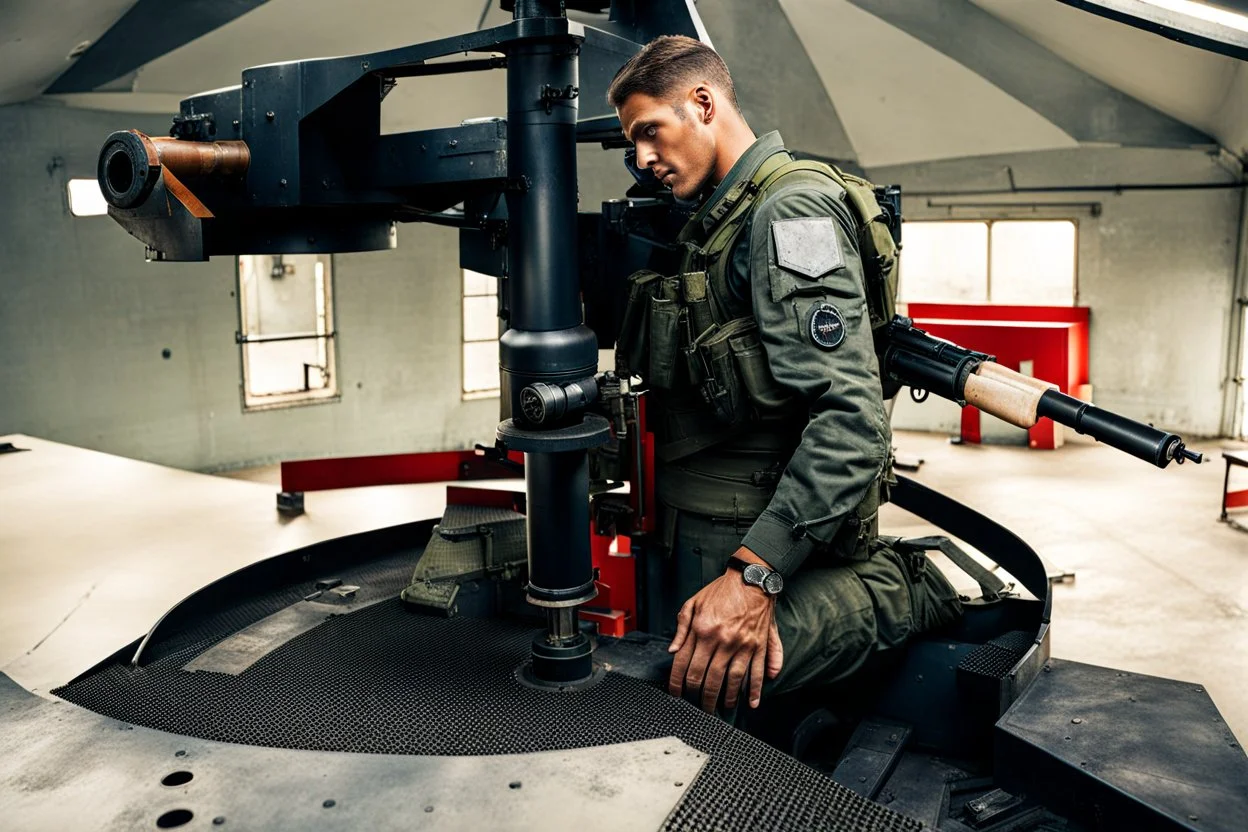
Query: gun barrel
point(130, 163)
point(1127, 435)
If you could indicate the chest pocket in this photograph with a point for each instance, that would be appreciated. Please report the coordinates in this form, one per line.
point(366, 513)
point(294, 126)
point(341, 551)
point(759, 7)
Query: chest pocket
point(633, 342)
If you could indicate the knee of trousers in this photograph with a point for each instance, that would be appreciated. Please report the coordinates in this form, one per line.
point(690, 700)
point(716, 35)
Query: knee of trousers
point(828, 627)
point(832, 619)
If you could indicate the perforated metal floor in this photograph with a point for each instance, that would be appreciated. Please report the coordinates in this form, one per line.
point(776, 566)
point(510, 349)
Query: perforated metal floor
point(385, 680)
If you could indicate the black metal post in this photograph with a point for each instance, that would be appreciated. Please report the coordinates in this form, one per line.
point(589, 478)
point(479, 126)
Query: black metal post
point(547, 340)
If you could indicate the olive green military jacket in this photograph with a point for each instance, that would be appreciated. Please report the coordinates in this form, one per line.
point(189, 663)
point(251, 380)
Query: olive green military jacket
point(797, 256)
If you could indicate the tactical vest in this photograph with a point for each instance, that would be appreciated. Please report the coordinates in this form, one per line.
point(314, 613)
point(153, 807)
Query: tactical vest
point(699, 349)
point(688, 336)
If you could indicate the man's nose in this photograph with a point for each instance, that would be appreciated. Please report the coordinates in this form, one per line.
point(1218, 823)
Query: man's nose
point(646, 157)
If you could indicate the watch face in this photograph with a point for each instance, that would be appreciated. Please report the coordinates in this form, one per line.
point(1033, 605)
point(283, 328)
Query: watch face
point(773, 583)
point(753, 574)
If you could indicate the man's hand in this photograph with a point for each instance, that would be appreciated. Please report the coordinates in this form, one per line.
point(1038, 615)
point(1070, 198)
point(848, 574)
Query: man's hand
point(726, 633)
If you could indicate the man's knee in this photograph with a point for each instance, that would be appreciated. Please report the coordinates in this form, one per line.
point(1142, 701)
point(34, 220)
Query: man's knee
point(827, 624)
point(832, 619)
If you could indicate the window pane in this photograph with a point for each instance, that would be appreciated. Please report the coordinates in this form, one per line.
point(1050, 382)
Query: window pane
point(86, 199)
point(277, 366)
point(476, 283)
point(280, 296)
point(1033, 262)
point(481, 366)
point(944, 262)
point(481, 318)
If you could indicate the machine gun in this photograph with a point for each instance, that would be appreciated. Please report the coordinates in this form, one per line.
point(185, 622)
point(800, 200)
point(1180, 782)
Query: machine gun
point(933, 365)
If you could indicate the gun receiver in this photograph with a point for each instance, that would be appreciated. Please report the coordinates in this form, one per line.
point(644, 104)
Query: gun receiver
point(934, 365)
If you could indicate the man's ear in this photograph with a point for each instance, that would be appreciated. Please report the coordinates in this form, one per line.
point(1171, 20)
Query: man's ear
point(703, 99)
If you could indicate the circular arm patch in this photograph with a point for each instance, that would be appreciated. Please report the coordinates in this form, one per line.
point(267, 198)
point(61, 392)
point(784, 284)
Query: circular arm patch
point(826, 326)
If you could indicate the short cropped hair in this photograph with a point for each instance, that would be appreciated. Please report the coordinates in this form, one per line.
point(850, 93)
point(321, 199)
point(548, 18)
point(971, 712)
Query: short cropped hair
point(666, 63)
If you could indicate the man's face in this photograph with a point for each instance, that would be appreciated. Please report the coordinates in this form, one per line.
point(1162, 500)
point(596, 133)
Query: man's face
point(672, 139)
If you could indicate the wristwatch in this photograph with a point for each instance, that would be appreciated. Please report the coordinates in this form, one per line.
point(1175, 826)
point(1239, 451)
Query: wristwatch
point(756, 574)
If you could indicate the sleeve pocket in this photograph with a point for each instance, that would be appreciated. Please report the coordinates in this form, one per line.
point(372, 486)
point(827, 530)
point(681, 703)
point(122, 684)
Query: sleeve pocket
point(804, 251)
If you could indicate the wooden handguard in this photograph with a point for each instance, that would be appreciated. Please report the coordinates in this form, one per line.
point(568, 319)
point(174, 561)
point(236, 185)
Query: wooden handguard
point(1006, 394)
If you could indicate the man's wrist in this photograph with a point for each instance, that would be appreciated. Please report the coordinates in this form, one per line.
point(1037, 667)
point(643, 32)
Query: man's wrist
point(744, 554)
point(757, 573)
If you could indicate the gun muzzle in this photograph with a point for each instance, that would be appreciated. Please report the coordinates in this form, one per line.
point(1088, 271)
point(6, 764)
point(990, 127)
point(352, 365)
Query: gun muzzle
point(1142, 441)
point(130, 164)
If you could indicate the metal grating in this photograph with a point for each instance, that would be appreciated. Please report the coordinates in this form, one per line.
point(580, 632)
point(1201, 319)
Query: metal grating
point(997, 658)
point(385, 680)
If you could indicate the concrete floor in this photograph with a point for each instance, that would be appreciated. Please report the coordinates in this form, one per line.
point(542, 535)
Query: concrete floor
point(94, 548)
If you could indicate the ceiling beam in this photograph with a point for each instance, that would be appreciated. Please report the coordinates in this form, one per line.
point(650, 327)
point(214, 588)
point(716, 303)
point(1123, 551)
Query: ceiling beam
point(1086, 108)
point(777, 85)
point(150, 29)
point(1175, 25)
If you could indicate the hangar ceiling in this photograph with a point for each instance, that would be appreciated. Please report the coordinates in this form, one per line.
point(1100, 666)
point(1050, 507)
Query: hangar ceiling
point(901, 81)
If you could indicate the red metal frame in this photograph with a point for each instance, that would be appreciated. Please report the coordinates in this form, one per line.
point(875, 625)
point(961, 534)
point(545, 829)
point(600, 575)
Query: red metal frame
point(1233, 499)
point(1054, 338)
point(392, 469)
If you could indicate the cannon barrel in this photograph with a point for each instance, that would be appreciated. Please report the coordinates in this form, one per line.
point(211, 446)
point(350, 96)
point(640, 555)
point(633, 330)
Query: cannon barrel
point(130, 163)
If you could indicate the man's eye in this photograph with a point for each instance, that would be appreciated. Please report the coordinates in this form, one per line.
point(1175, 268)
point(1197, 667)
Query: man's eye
point(652, 131)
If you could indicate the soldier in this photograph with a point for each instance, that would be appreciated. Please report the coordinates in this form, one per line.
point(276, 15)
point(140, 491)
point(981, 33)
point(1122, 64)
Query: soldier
point(773, 444)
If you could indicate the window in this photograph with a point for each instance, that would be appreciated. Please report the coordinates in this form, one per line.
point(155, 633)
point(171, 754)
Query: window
point(480, 335)
point(1019, 262)
point(286, 332)
point(86, 199)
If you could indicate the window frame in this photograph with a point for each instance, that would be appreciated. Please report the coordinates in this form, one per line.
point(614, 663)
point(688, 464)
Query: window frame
point(332, 392)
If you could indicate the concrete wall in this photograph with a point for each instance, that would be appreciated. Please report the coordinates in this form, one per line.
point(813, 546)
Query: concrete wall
point(83, 321)
point(1156, 268)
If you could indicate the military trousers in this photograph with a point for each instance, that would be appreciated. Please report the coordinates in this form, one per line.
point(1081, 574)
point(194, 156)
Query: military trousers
point(831, 617)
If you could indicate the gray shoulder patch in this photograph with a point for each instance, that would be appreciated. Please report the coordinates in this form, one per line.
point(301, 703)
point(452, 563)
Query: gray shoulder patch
point(807, 246)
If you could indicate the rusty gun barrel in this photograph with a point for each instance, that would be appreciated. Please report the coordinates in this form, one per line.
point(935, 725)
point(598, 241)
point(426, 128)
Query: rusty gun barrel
point(131, 162)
